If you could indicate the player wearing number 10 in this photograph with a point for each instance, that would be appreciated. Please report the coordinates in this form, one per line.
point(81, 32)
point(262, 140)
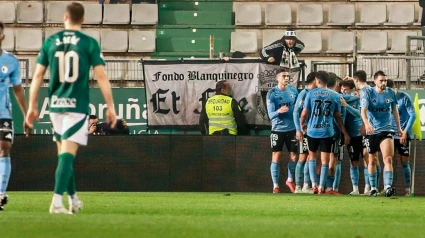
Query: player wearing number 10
point(69, 53)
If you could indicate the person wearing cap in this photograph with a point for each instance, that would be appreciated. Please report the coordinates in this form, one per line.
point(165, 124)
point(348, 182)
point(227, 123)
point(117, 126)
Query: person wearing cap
point(284, 52)
point(221, 114)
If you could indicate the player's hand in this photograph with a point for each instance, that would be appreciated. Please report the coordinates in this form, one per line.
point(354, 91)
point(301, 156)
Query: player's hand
point(304, 127)
point(403, 136)
point(299, 135)
point(347, 139)
point(271, 59)
point(369, 128)
point(27, 129)
point(111, 117)
point(92, 128)
point(343, 102)
point(32, 115)
point(283, 109)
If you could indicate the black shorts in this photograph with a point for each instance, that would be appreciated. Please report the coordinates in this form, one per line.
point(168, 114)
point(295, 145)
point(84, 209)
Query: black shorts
point(373, 142)
point(325, 144)
point(355, 148)
point(303, 146)
point(6, 130)
point(277, 139)
point(338, 144)
point(402, 149)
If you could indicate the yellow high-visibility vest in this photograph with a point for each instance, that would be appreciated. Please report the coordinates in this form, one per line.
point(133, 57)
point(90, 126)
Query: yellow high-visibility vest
point(220, 114)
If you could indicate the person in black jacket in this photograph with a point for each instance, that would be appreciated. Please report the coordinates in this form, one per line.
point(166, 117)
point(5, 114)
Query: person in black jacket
point(284, 52)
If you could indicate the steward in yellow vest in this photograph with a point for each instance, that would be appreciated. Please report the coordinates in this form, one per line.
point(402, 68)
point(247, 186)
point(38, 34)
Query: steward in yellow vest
point(221, 114)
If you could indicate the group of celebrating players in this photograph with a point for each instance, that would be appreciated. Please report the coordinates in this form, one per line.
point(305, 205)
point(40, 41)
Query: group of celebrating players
point(331, 113)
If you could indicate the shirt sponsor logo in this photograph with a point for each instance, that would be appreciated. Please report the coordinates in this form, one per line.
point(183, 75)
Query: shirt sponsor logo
point(57, 102)
point(4, 69)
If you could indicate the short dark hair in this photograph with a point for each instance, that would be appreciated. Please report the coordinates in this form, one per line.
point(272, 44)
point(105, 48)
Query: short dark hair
point(360, 75)
point(332, 80)
point(220, 85)
point(282, 69)
point(322, 76)
point(348, 83)
point(379, 73)
point(76, 12)
point(310, 77)
point(390, 83)
point(91, 117)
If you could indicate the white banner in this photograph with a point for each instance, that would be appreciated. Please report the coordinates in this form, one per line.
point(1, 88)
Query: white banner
point(176, 92)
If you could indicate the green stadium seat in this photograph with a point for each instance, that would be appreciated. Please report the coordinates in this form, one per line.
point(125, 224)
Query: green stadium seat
point(195, 18)
point(196, 6)
point(192, 44)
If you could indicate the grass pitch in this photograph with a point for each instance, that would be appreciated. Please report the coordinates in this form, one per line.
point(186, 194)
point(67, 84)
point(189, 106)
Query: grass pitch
point(215, 215)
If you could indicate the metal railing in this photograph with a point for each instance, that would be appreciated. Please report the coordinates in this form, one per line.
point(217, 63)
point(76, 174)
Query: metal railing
point(341, 69)
point(25, 71)
point(121, 73)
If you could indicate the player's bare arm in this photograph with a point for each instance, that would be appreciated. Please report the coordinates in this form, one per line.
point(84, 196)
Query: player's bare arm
point(105, 88)
point(303, 117)
point(340, 123)
point(397, 121)
point(368, 127)
point(19, 92)
point(37, 79)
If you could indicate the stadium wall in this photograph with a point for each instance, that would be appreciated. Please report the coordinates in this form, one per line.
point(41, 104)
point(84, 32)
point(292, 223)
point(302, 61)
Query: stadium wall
point(169, 163)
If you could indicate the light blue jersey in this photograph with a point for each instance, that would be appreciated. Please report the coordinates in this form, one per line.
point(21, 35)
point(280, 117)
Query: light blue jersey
point(321, 103)
point(277, 98)
point(299, 105)
point(9, 74)
point(406, 112)
point(353, 120)
point(379, 108)
point(343, 111)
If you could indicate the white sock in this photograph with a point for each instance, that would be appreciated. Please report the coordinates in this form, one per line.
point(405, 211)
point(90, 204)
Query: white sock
point(374, 188)
point(305, 186)
point(328, 189)
point(73, 197)
point(407, 190)
point(275, 185)
point(57, 200)
point(355, 188)
point(289, 180)
point(367, 187)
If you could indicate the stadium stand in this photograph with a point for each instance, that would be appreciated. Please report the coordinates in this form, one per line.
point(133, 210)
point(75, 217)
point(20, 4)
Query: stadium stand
point(278, 14)
point(8, 12)
point(173, 29)
point(29, 12)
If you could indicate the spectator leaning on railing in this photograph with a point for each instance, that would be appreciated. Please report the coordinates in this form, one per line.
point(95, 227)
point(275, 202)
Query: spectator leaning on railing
point(284, 52)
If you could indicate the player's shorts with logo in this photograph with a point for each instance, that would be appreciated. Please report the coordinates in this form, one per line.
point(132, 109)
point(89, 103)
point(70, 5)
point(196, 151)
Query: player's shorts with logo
point(70, 126)
point(373, 142)
point(325, 144)
point(355, 148)
point(303, 146)
point(338, 145)
point(402, 149)
point(6, 130)
point(278, 139)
